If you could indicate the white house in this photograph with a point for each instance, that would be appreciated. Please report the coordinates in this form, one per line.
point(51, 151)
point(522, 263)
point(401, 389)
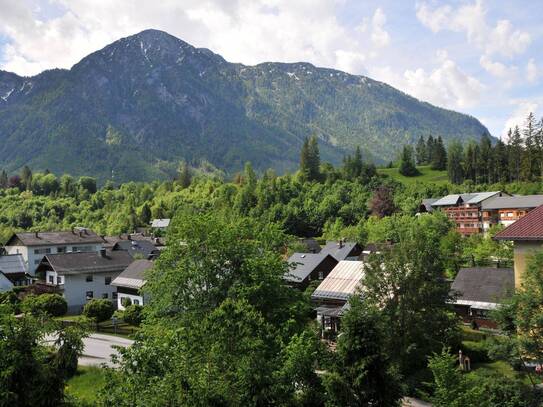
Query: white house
point(161, 224)
point(130, 282)
point(13, 272)
point(85, 275)
point(34, 245)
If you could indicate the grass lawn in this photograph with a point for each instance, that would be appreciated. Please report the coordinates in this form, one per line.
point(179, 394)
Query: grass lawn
point(86, 383)
point(504, 369)
point(427, 175)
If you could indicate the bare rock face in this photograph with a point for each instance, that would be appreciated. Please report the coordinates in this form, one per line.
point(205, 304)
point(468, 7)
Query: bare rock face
point(160, 100)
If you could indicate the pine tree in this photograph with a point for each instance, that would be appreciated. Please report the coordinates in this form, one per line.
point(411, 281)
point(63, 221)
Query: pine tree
point(484, 163)
point(407, 162)
point(430, 148)
point(539, 146)
point(145, 214)
point(421, 151)
point(470, 162)
point(532, 166)
point(26, 177)
point(3, 179)
point(515, 153)
point(455, 169)
point(310, 160)
point(185, 175)
point(439, 155)
point(500, 162)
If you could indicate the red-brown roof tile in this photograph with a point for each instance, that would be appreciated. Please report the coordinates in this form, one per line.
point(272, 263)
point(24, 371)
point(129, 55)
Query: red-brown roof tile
point(530, 227)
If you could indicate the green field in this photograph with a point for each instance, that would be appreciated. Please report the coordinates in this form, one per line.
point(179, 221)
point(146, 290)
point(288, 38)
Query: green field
point(427, 175)
point(84, 386)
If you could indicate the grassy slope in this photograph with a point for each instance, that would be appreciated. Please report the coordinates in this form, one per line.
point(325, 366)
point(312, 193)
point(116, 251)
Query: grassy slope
point(427, 175)
point(86, 383)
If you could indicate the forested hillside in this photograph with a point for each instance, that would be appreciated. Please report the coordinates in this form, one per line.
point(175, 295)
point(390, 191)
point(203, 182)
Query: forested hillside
point(135, 109)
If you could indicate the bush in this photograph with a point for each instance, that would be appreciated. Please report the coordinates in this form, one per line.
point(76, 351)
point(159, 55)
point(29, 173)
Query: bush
point(99, 310)
point(126, 302)
point(476, 351)
point(52, 304)
point(133, 315)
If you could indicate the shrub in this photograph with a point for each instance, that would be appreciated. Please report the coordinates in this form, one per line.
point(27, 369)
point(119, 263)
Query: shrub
point(126, 302)
point(476, 351)
point(133, 315)
point(98, 309)
point(51, 304)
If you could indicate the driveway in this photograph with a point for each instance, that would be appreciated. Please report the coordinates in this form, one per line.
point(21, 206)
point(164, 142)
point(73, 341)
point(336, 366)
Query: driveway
point(98, 349)
point(411, 402)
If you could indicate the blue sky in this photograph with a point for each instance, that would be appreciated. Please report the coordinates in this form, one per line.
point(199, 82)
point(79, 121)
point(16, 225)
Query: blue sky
point(475, 56)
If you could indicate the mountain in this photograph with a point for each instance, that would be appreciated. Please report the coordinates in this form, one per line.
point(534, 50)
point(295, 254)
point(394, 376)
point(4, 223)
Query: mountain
point(134, 109)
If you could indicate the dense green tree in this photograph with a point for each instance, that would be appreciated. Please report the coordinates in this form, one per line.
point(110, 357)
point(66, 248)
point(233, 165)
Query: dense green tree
point(471, 162)
point(501, 165)
point(407, 162)
point(145, 214)
point(514, 144)
point(485, 162)
point(26, 177)
point(364, 374)
point(3, 179)
point(439, 155)
point(382, 202)
point(87, 184)
point(185, 175)
point(455, 163)
point(310, 159)
point(421, 151)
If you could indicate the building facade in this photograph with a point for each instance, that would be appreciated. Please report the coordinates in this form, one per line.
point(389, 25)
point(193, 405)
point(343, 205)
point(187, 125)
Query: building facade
point(130, 283)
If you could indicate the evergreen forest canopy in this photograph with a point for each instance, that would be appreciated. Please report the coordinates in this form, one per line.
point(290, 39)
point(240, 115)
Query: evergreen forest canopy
point(134, 109)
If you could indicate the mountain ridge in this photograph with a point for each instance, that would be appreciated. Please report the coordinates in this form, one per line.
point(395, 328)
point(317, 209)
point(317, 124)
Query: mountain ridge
point(133, 109)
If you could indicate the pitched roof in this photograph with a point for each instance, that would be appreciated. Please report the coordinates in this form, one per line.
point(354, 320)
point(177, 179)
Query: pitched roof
point(511, 202)
point(428, 202)
point(529, 227)
point(471, 198)
point(12, 263)
point(77, 236)
point(134, 275)
point(306, 263)
point(338, 251)
point(87, 262)
point(484, 284)
point(160, 223)
point(110, 241)
point(342, 281)
point(135, 247)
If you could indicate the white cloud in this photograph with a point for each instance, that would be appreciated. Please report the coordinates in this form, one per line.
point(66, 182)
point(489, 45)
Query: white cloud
point(247, 31)
point(507, 74)
point(519, 114)
point(446, 85)
point(471, 19)
point(532, 71)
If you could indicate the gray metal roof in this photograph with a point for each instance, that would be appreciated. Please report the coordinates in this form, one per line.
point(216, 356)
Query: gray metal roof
point(484, 284)
point(305, 264)
point(338, 251)
point(134, 275)
point(512, 202)
point(428, 202)
point(12, 263)
point(341, 283)
point(466, 198)
point(134, 247)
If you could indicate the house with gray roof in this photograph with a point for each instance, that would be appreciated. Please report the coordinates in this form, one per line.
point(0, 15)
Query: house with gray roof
point(13, 272)
point(138, 249)
point(505, 210)
point(479, 290)
point(85, 275)
point(307, 267)
point(34, 245)
point(342, 250)
point(130, 282)
point(161, 224)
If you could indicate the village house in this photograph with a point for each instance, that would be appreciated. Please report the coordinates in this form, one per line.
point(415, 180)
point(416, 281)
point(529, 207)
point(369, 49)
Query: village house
point(160, 224)
point(13, 272)
point(505, 210)
point(527, 236)
point(465, 210)
point(34, 245)
point(110, 241)
point(83, 276)
point(332, 295)
point(342, 250)
point(130, 282)
point(480, 290)
point(309, 267)
point(138, 249)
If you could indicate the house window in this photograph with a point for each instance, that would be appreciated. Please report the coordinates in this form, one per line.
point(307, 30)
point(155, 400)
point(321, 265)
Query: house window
point(61, 249)
point(88, 279)
point(89, 295)
point(114, 295)
point(510, 214)
point(42, 251)
point(59, 280)
point(37, 261)
point(136, 302)
point(321, 275)
point(104, 296)
point(107, 280)
point(51, 279)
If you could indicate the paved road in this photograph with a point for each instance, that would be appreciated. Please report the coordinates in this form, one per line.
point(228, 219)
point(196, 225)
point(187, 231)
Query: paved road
point(411, 402)
point(98, 349)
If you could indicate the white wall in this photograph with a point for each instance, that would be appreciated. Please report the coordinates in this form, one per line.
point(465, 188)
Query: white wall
point(132, 297)
point(76, 287)
point(32, 259)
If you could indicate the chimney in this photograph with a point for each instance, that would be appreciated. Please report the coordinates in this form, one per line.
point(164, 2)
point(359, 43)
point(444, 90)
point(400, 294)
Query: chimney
point(129, 236)
point(102, 252)
point(340, 243)
point(80, 233)
point(36, 234)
